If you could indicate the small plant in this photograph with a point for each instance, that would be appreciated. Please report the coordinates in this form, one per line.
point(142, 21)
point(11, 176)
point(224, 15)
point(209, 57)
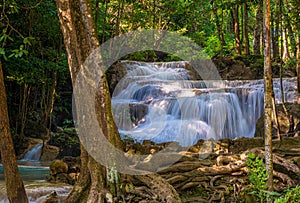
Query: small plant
point(258, 178)
point(291, 196)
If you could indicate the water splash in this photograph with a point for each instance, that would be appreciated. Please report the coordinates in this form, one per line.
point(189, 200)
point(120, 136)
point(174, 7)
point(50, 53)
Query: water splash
point(158, 102)
point(33, 154)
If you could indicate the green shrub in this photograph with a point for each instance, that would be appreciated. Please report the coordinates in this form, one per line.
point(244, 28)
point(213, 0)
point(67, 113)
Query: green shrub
point(258, 178)
point(291, 196)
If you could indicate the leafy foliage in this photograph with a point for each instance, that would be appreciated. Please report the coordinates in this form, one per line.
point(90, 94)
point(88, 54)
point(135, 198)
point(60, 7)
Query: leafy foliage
point(291, 196)
point(258, 178)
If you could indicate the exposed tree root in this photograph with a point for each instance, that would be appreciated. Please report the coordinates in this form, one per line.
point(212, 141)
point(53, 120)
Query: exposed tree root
point(218, 178)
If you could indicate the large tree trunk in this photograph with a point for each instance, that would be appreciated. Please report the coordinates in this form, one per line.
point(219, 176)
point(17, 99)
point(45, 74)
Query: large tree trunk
point(258, 31)
point(80, 40)
point(14, 185)
point(268, 96)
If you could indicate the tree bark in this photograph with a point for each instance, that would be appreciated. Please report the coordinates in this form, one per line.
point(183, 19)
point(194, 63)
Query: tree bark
point(80, 40)
point(246, 34)
point(237, 30)
point(275, 34)
point(298, 64)
point(268, 96)
point(286, 53)
point(219, 27)
point(14, 185)
point(258, 31)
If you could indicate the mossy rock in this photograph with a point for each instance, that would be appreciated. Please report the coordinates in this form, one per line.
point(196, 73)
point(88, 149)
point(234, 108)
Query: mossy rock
point(57, 167)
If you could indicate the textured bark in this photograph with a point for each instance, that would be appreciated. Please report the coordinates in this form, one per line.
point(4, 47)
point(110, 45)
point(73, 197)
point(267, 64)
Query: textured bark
point(275, 33)
point(219, 27)
point(236, 29)
point(258, 31)
point(14, 185)
point(268, 96)
point(246, 34)
point(80, 40)
point(286, 52)
point(298, 65)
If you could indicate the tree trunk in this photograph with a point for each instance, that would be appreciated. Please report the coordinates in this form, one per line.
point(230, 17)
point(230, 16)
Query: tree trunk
point(286, 53)
point(298, 65)
point(268, 96)
point(246, 35)
point(237, 30)
point(104, 22)
point(14, 185)
point(219, 27)
point(80, 40)
point(275, 33)
point(258, 31)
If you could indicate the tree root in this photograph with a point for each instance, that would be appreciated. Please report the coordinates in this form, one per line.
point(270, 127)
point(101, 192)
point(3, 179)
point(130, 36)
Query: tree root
point(214, 179)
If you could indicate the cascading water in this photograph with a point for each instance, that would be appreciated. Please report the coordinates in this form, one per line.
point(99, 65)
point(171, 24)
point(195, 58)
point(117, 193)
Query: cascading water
point(33, 173)
point(158, 102)
point(34, 154)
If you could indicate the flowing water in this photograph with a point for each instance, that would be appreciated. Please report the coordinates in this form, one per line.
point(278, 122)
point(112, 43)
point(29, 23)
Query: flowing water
point(34, 154)
point(161, 102)
point(33, 173)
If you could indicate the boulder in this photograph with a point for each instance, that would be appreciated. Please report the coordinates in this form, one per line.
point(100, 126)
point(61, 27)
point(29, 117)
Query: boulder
point(58, 167)
point(49, 153)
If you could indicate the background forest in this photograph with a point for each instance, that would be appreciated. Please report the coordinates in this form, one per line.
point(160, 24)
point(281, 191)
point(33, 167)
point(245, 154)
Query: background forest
point(35, 63)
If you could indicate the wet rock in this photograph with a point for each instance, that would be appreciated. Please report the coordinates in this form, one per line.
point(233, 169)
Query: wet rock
point(49, 153)
point(138, 113)
point(52, 198)
point(60, 173)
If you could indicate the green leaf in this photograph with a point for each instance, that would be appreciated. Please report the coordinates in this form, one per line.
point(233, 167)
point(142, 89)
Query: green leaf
point(2, 51)
point(251, 156)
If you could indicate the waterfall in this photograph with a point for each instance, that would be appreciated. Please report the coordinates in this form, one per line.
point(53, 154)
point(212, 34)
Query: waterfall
point(37, 191)
point(160, 103)
point(34, 154)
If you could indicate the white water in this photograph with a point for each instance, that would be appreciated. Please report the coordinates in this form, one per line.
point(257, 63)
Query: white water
point(37, 188)
point(33, 173)
point(33, 154)
point(159, 103)
point(37, 191)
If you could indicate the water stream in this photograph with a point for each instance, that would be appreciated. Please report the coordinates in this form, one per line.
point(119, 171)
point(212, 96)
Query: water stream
point(33, 173)
point(162, 103)
point(33, 154)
